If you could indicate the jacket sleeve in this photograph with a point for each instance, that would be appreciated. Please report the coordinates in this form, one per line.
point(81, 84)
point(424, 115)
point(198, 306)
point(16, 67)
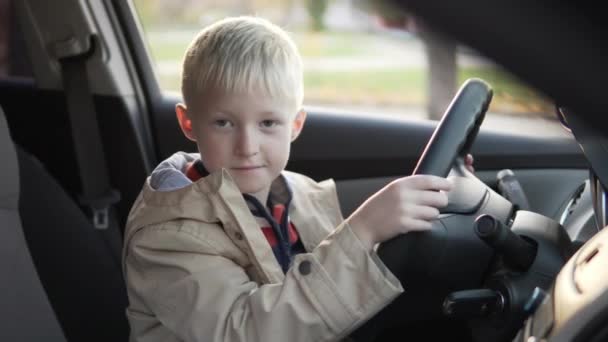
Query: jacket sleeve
point(200, 295)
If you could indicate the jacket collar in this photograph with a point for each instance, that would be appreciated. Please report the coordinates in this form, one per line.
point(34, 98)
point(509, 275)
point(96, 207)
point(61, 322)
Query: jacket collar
point(216, 199)
point(280, 190)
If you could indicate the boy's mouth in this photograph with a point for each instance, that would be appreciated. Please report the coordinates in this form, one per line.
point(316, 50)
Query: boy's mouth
point(247, 168)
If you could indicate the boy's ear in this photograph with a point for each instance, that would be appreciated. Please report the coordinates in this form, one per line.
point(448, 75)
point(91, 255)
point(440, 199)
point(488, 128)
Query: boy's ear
point(298, 124)
point(181, 111)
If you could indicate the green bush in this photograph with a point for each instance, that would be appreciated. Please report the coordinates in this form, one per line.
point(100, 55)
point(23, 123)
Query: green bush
point(316, 11)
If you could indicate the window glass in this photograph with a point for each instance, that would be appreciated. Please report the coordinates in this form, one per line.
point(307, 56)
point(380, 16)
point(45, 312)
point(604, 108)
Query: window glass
point(357, 57)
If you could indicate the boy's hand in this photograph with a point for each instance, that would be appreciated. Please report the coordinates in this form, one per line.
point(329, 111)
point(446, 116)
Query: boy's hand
point(468, 163)
point(406, 204)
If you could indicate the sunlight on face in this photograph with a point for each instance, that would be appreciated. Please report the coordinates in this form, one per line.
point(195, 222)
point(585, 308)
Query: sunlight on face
point(247, 134)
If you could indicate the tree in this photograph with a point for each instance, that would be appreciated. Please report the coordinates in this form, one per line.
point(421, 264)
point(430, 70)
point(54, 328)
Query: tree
point(316, 10)
point(440, 54)
point(442, 76)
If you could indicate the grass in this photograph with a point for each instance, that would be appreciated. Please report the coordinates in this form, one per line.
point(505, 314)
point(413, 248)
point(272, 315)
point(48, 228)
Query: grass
point(379, 87)
point(404, 87)
point(408, 87)
point(510, 95)
point(310, 44)
point(390, 86)
point(168, 50)
point(333, 44)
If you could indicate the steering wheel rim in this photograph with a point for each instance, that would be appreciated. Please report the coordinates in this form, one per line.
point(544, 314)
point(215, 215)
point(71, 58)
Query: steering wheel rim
point(453, 136)
point(457, 129)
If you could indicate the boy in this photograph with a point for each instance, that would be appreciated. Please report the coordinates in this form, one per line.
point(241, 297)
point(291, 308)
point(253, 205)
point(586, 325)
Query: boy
point(226, 245)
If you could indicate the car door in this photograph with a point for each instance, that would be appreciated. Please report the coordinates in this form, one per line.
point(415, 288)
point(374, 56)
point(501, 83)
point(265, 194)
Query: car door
point(363, 147)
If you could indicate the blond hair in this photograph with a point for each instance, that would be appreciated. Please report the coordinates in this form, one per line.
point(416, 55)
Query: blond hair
point(243, 54)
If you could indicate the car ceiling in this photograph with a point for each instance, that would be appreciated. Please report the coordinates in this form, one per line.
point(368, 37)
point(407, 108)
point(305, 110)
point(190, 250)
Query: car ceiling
point(558, 47)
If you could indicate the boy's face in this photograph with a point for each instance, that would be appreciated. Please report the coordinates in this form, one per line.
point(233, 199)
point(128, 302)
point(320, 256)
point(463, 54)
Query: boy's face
point(248, 134)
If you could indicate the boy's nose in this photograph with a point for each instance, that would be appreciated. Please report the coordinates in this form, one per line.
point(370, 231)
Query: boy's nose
point(247, 144)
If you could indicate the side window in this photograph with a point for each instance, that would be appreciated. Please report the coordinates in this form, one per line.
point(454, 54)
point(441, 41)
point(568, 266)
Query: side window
point(14, 62)
point(358, 57)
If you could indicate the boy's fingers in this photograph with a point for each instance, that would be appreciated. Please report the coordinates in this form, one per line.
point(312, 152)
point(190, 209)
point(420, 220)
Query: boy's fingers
point(426, 213)
point(469, 159)
point(417, 225)
point(468, 162)
point(430, 182)
point(431, 198)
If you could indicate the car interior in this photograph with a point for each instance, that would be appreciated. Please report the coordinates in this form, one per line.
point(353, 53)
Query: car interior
point(516, 255)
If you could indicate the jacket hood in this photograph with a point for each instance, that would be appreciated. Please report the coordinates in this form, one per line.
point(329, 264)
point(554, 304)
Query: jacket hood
point(169, 195)
point(170, 174)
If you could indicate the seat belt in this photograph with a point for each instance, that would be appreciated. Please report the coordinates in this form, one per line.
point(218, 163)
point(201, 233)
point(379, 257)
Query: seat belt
point(97, 197)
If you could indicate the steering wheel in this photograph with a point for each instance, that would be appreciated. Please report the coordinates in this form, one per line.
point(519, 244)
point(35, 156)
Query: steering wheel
point(481, 260)
point(457, 130)
point(451, 139)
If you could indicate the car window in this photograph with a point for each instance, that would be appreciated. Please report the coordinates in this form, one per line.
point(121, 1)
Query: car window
point(356, 59)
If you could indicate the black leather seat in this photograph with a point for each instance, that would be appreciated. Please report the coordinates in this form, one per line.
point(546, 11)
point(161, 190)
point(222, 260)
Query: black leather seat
point(25, 312)
point(73, 269)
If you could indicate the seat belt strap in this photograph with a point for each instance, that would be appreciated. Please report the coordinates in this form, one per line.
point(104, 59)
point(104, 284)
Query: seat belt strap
point(97, 195)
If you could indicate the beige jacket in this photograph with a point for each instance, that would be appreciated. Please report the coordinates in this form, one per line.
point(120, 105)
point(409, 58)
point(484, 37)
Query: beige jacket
point(198, 268)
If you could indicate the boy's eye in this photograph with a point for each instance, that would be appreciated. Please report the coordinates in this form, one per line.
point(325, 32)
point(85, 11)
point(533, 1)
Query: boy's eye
point(268, 123)
point(223, 123)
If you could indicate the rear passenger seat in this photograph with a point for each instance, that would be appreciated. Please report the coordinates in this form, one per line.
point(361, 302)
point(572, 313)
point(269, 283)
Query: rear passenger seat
point(25, 313)
point(60, 282)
